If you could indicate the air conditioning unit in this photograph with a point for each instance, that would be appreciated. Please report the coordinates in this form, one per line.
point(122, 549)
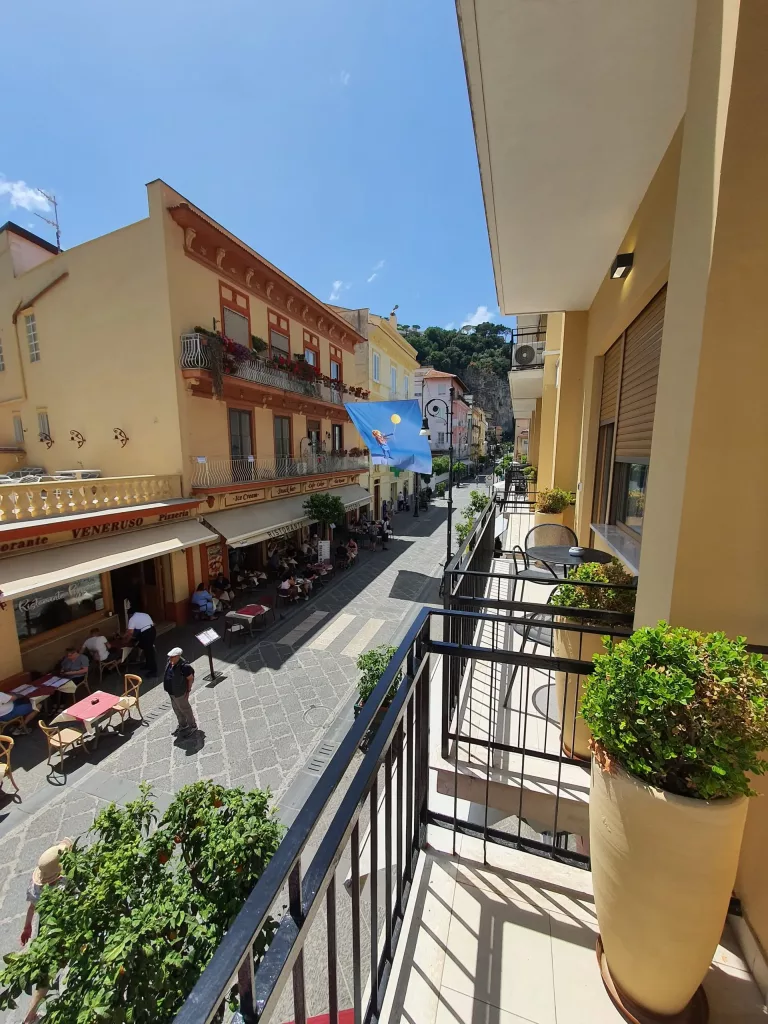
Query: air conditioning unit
point(525, 355)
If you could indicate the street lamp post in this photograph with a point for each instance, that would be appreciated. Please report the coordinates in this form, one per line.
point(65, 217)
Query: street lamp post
point(432, 408)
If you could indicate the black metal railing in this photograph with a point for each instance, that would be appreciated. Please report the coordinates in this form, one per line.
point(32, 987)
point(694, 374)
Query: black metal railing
point(362, 829)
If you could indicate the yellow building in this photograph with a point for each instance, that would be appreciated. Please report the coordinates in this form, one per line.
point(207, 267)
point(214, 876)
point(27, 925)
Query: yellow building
point(385, 364)
point(131, 417)
point(478, 448)
point(625, 197)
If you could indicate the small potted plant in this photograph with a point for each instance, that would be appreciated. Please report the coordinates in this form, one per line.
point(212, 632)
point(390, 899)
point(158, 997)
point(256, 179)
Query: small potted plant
point(551, 504)
point(580, 646)
point(678, 719)
point(372, 666)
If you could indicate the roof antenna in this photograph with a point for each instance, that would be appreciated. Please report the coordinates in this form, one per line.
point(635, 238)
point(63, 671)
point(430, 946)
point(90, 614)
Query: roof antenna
point(55, 222)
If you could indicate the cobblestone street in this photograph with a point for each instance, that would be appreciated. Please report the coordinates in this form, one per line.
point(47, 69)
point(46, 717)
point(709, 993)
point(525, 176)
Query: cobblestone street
point(273, 721)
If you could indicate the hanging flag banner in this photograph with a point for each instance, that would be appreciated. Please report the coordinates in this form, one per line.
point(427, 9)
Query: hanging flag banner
point(390, 430)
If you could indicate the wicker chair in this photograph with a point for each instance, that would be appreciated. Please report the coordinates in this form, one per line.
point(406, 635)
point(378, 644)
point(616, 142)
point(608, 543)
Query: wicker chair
point(6, 746)
point(62, 739)
point(129, 700)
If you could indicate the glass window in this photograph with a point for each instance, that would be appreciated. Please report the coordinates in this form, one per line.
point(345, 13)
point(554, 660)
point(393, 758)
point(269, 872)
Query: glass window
point(279, 344)
point(310, 356)
point(48, 609)
point(18, 430)
point(376, 366)
point(236, 327)
point(630, 480)
point(240, 434)
point(393, 378)
point(282, 437)
point(441, 387)
point(335, 370)
point(33, 341)
point(338, 441)
point(440, 437)
point(406, 387)
point(602, 473)
point(43, 426)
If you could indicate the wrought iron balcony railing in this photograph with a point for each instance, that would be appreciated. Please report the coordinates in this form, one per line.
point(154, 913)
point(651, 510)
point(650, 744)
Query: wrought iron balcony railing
point(221, 472)
point(196, 355)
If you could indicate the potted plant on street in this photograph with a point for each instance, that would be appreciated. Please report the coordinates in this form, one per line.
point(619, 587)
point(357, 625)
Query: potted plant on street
point(372, 666)
point(678, 719)
point(580, 646)
point(551, 503)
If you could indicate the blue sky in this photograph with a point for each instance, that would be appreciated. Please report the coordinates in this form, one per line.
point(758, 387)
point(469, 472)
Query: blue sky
point(334, 136)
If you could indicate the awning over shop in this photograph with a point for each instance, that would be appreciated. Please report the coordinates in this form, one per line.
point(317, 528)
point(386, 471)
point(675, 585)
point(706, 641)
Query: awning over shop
point(254, 523)
point(27, 574)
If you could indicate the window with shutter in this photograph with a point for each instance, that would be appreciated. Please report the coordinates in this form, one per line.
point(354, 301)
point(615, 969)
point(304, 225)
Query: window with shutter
point(639, 379)
point(610, 393)
point(236, 327)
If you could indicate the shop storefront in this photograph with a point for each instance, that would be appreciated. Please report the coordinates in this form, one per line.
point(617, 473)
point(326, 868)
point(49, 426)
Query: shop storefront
point(62, 576)
point(247, 531)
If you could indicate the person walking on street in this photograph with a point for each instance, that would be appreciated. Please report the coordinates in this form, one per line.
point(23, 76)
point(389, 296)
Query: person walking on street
point(47, 872)
point(177, 683)
point(144, 634)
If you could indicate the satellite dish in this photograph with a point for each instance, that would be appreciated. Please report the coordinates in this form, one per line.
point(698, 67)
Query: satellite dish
point(524, 355)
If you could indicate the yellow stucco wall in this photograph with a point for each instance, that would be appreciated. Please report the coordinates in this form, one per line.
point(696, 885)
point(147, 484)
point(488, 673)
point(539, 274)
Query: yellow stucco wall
point(617, 303)
point(105, 358)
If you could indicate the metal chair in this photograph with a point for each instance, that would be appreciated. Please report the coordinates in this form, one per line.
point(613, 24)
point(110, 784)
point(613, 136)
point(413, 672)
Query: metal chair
point(129, 700)
point(6, 746)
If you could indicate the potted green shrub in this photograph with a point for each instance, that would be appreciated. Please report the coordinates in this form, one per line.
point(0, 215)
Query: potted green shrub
point(678, 719)
point(580, 646)
point(372, 666)
point(551, 503)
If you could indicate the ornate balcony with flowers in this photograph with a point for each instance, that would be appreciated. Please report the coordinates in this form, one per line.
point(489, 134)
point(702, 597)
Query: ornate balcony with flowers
point(217, 366)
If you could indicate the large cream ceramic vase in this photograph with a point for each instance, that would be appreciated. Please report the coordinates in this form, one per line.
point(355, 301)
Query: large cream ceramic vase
point(663, 868)
point(574, 730)
point(540, 518)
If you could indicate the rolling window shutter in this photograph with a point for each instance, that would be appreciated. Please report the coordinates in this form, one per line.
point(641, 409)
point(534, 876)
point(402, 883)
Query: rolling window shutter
point(639, 379)
point(611, 366)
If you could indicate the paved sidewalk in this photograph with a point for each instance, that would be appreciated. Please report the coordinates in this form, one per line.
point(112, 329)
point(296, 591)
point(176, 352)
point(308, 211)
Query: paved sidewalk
point(284, 697)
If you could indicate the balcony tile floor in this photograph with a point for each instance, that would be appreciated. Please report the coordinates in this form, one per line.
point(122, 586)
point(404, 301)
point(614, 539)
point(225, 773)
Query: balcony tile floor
point(512, 941)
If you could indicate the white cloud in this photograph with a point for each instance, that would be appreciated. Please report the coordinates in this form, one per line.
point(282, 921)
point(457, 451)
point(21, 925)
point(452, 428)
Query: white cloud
point(375, 271)
point(337, 288)
point(379, 265)
point(481, 315)
point(371, 278)
point(450, 326)
point(24, 196)
point(345, 77)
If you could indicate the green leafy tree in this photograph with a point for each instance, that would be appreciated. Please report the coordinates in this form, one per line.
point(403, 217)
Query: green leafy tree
point(372, 666)
point(486, 348)
point(146, 906)
point(440, 464)
point(327, 509)
point(477, 503)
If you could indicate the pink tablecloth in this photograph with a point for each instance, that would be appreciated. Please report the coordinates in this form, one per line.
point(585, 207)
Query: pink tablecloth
point(252, 610)
point(92, 707)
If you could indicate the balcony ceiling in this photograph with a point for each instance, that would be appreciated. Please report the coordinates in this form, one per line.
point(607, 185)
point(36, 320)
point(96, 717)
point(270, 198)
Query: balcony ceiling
point(574, 103)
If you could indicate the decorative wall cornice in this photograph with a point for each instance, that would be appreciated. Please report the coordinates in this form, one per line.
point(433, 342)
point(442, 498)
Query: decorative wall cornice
point(206, 243)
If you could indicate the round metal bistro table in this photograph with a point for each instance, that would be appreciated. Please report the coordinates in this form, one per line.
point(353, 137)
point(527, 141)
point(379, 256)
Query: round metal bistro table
point(560, 554)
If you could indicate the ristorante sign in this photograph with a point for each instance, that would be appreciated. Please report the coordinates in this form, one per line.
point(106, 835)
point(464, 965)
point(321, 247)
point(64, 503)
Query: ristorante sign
point(46, 534)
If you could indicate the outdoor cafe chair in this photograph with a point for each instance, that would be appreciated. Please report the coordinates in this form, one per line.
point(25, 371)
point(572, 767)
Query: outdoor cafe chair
point(129, 700)
point(106, 666)
point(6, 746)
point(62, 739)
point(237, 626)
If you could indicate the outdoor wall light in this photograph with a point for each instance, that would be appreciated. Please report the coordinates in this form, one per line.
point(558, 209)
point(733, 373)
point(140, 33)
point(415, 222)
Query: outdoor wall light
point(424, 432)
point(622, 265)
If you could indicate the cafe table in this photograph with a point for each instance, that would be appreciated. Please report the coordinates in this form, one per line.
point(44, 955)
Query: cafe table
point(251, 612)
point(92, 711)
point(561, 554)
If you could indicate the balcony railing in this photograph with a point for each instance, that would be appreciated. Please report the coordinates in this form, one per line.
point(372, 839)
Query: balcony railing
point(21, 502)
point(221, 472)
point(196, 355)
point(527, 349)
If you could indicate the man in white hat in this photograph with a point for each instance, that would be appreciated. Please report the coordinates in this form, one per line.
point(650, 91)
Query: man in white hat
point(47, 872)
point(177, 683)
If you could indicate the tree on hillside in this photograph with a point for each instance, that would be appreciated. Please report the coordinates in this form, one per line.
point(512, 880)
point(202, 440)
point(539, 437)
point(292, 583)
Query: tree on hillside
point(486, 348)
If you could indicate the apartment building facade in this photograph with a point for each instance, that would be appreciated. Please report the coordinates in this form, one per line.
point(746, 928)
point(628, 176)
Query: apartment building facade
point(434, 393)
point(174, 398)
point(385, 365)
point(648, 257)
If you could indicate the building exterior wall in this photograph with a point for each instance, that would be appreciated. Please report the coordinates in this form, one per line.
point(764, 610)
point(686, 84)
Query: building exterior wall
point(105, 357)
